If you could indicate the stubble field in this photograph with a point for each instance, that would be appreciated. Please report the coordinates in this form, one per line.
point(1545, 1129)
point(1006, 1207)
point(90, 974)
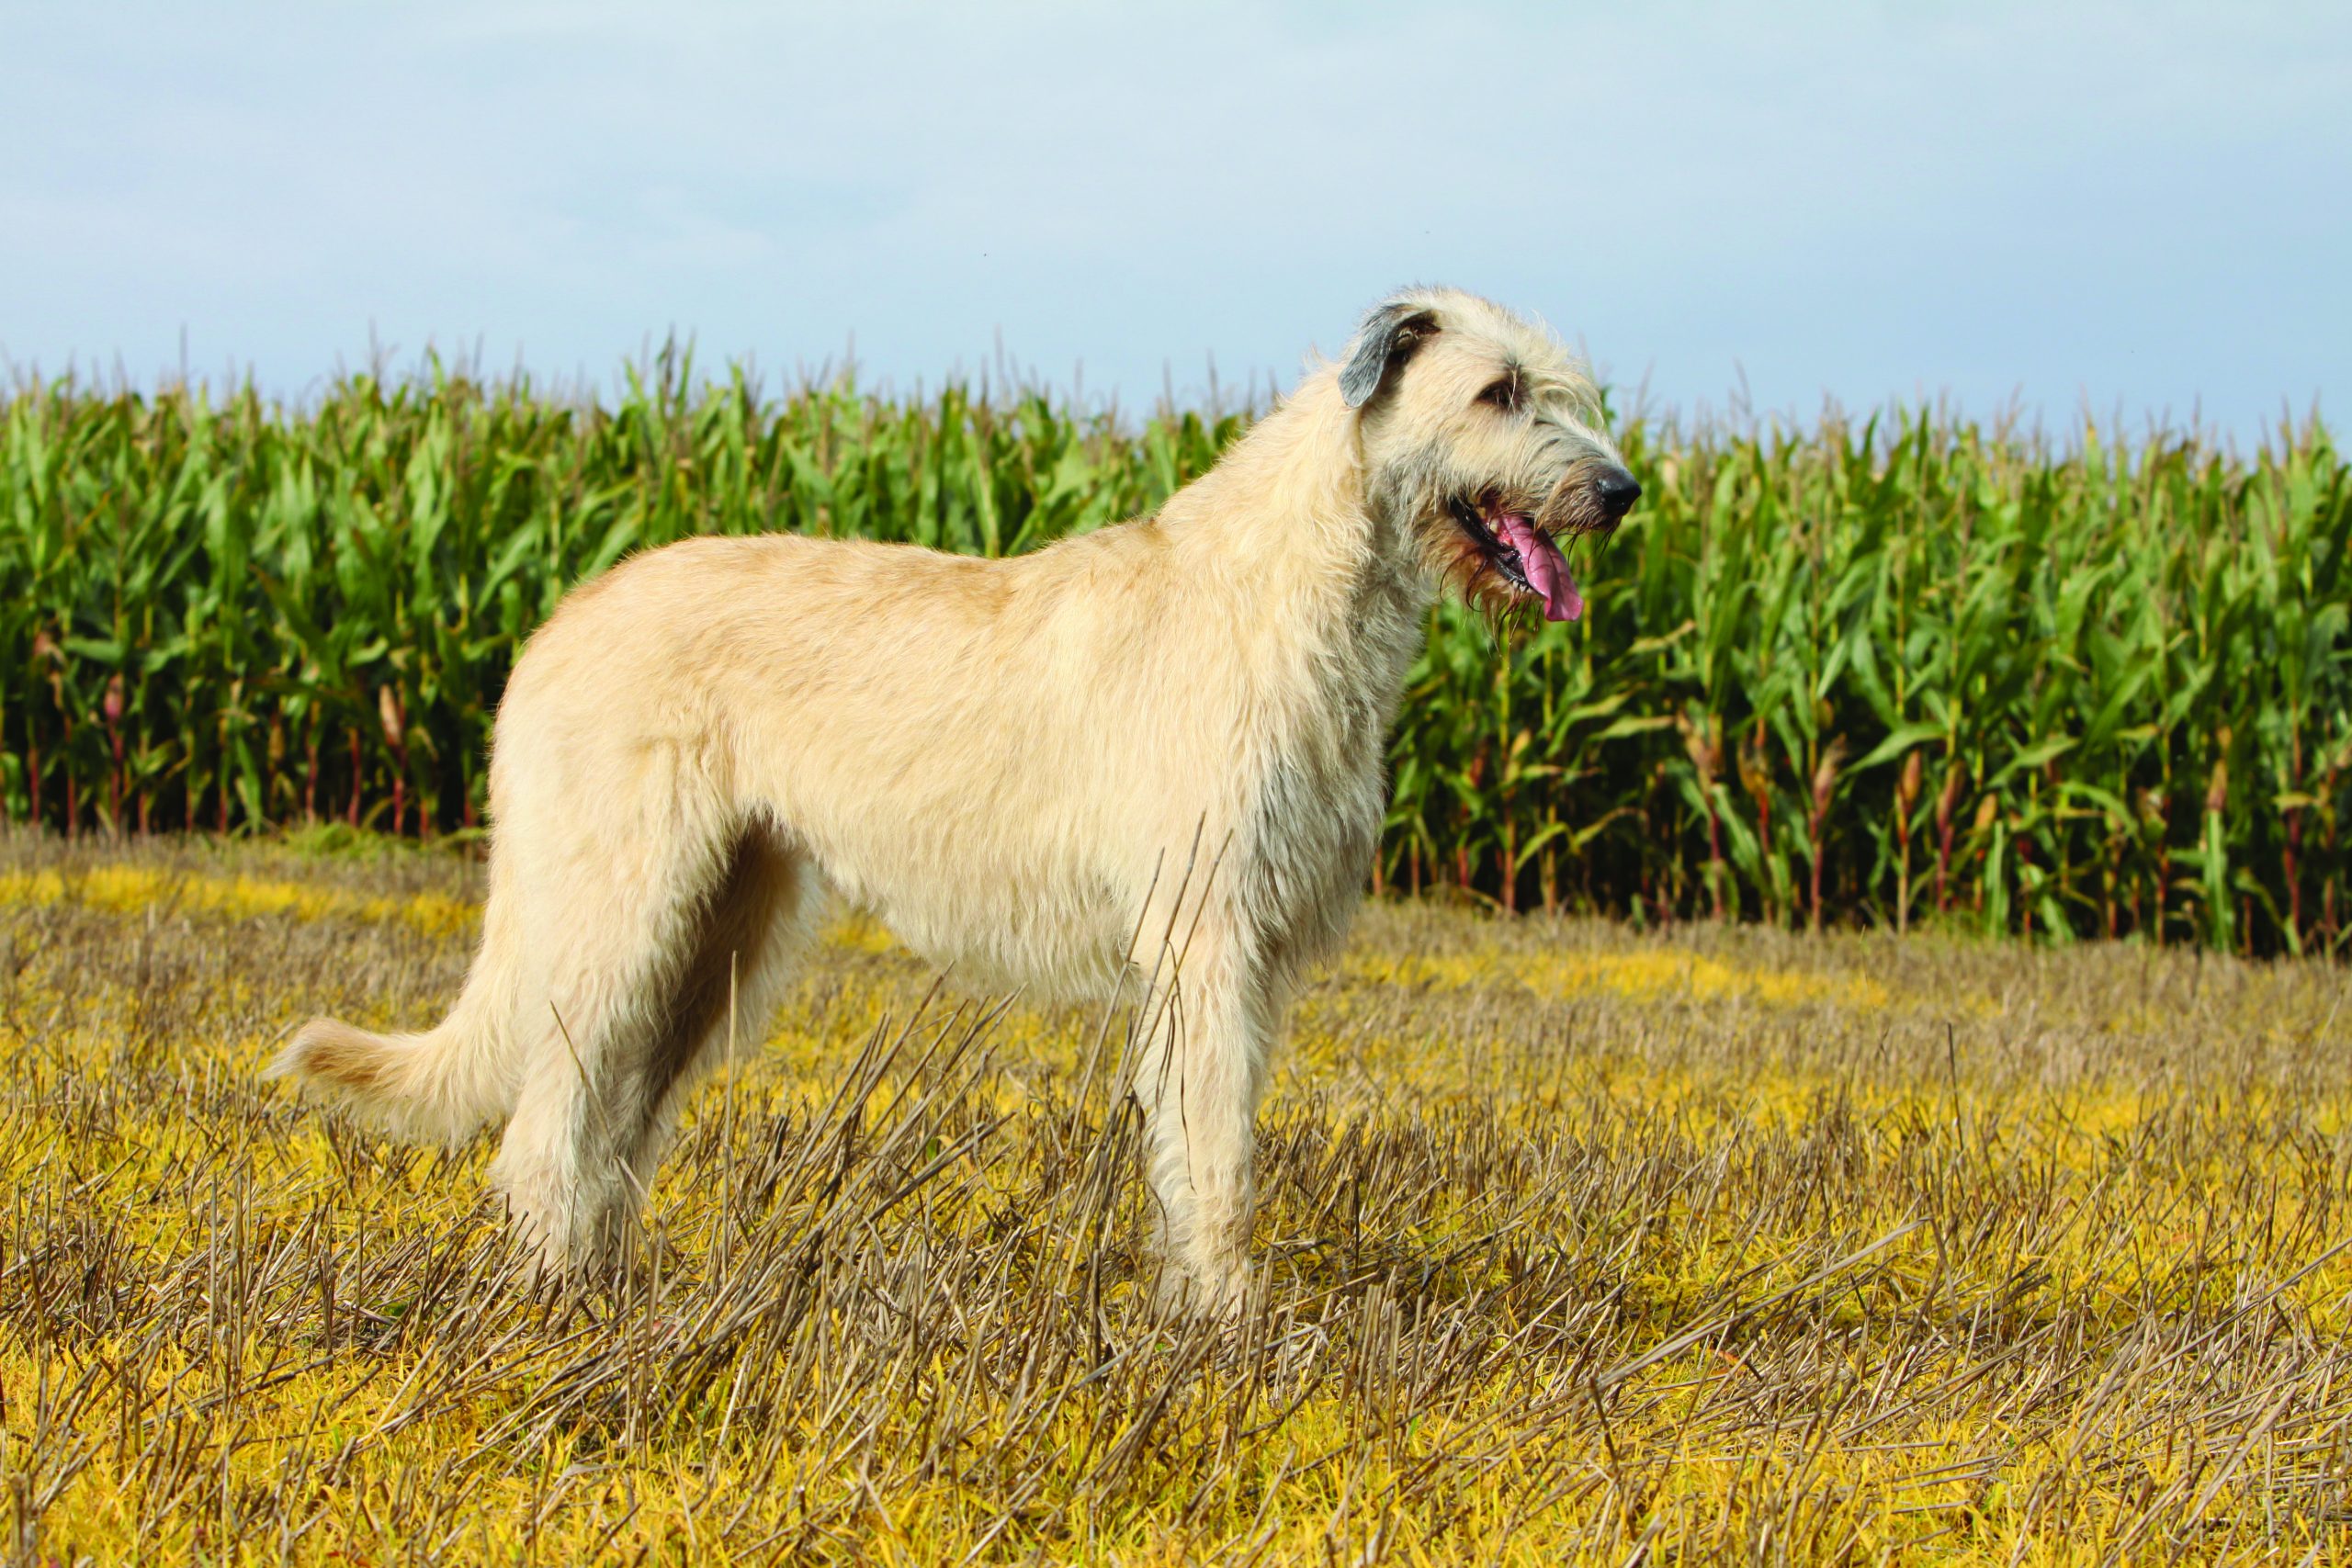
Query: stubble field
point(1580, 1244)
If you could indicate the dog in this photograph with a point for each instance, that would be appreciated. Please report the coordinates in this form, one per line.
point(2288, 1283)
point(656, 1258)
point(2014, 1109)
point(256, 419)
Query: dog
point(1004, 760)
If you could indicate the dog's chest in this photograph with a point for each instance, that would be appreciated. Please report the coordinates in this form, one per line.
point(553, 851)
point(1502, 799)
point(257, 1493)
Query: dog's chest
point(1322, 792)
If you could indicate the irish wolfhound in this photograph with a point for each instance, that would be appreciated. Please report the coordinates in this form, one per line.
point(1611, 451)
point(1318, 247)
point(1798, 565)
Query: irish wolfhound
point(1000, 759)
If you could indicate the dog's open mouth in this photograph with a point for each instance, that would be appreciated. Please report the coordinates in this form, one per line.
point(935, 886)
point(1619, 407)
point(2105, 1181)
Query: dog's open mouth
point(1523, 555)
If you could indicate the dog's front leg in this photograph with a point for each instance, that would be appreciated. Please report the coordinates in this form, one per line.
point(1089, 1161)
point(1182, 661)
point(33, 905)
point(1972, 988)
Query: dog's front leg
point(1197, 1079)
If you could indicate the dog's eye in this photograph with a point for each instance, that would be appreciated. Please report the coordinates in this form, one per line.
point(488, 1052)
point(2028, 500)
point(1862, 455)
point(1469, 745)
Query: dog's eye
point(1502, 393)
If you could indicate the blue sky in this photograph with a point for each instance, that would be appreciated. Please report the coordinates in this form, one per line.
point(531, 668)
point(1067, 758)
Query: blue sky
point(2140, 207)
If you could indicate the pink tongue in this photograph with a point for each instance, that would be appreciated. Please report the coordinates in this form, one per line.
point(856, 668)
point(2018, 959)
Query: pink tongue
point(1546, 568)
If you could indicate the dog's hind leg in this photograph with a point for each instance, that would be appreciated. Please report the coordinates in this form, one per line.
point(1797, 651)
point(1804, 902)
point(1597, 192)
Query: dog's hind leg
point(758, 924)
point(618, 894)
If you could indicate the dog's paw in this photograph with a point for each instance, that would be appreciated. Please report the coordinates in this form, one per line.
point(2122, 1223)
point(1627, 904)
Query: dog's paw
point(1211, 1294)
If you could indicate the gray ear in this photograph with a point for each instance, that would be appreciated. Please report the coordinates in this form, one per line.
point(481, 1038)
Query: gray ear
point(1389, 336)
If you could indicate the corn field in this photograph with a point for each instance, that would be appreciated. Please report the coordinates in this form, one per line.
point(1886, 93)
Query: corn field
point(1886, 671)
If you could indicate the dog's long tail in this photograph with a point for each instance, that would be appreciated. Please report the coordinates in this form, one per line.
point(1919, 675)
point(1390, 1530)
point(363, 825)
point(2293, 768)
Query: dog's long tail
point(439, 1085)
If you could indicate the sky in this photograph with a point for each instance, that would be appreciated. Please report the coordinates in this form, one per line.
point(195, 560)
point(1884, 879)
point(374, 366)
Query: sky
point(2140, 210)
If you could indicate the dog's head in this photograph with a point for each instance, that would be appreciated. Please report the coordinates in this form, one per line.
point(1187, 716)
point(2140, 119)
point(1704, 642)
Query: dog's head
point(1483, 442)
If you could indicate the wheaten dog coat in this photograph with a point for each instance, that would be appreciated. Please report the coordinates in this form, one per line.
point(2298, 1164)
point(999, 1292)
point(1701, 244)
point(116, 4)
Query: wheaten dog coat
point(1008, 761)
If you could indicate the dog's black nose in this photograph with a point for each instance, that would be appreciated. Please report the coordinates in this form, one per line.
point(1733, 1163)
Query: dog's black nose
point(1618, 491)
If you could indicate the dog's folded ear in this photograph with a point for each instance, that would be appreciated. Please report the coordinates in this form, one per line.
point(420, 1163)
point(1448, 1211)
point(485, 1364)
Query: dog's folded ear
point(1387, 339)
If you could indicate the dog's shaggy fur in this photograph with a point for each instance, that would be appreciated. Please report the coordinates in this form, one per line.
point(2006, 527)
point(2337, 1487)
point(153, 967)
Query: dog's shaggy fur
point(1009, 762)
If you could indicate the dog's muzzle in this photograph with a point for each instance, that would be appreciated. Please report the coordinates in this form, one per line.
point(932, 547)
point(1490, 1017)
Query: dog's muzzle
point(1592, 498)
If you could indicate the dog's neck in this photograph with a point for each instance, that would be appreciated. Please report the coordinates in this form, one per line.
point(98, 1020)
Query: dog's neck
point(1287, 512)
point(1287, 531)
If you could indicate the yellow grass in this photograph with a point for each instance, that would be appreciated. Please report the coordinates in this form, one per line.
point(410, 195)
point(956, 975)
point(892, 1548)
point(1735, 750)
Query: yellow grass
point(138, 889)
point(1580, 1244)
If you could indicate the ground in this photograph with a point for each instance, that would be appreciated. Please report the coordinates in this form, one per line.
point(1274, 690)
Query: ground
point(1581, 1245)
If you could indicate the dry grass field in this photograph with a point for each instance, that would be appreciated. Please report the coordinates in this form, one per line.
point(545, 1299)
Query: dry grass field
point(1585, 1246)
